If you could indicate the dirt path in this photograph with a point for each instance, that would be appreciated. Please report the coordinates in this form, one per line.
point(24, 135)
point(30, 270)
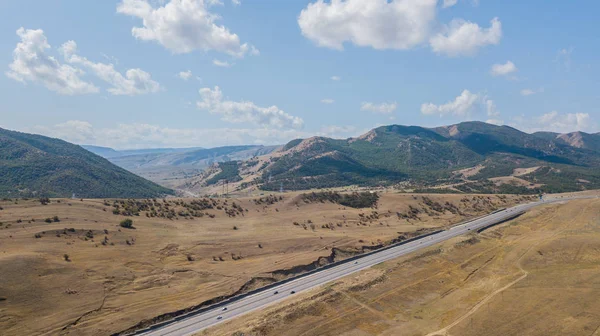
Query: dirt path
point(446, 330)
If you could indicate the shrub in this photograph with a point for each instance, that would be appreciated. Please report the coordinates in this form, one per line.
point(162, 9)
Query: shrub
point(66, 257)
point(126, 223)
point(48, 220)
point(55, 219)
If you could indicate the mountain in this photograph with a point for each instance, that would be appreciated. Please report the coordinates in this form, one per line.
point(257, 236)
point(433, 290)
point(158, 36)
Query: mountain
point(430, 156)
point(574, 139)
point(109, 153)
point(35, 165)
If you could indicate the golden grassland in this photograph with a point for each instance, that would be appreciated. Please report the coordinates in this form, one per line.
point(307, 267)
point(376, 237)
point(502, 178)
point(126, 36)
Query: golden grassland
point(536, 275)
point(116, 277)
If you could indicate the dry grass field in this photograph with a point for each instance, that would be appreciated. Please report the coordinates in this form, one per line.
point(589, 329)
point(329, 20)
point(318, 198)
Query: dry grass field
point(83, 274)
point(536, 275)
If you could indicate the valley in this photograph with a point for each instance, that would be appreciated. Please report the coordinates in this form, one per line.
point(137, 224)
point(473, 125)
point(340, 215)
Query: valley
point(70, 268)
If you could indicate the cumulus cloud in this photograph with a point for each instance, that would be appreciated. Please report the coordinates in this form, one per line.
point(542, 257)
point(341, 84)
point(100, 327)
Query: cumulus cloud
point(327, 101)
point(449, 3)
point(222, 64)
point(463, 38)
point(564, 123)
point(185, 75)
point(183, 26)
point(503, 69)
point(236, 2)
point(31, 63)
point(556, 122)
point(490, 107)
point(465, 105)
point(134, 82)
point(245, 111)
point(382, 108)
point(380, 24)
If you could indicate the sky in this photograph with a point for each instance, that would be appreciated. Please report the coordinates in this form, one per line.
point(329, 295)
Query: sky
point(205, 73)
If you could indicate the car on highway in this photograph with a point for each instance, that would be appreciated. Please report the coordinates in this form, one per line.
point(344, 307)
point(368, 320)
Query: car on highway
point(219, 317)
point(293, 292)
point(276, 292)
point(224, 308)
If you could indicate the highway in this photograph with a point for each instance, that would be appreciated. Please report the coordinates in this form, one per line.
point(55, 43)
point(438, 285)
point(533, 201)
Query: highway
point(237, 307)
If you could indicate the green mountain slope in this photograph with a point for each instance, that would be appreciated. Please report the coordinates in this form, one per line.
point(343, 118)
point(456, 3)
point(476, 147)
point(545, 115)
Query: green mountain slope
point(421, 156)
point(37, 165)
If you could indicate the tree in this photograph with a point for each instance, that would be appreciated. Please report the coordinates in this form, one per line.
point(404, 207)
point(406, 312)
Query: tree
point(126, 223)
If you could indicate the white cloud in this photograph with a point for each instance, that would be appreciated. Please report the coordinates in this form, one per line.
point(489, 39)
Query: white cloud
point(139, 135)
point(236, 2)
point(185, 75)
point(569, 122)
point(463, 38)
point(557, 122)
point(245, 111)
point(223, 64)
point(503, 69)
point(327, 101)
point(490, 107)
point(183, 26)
point(383, 108)
point(529, 92)
point(380, 24)
point(564, 56)
point(32, 64)
point(495, 122)
point(134, 82)
point(337, 132)
point(336, 78)
point(449, 3)
point(464, 105)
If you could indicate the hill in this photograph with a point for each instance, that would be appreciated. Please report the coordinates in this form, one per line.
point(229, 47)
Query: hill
point(423, 158)
point(35, 165)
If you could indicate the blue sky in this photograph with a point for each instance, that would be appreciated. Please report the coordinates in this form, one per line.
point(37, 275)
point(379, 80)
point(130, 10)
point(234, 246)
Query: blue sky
point(529, 64)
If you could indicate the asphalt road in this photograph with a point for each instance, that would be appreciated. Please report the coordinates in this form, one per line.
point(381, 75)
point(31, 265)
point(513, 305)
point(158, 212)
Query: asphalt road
point(198, 322)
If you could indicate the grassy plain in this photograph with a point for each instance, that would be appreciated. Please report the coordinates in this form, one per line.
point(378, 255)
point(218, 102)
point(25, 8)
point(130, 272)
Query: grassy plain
point(86, 275)
point(536, 275)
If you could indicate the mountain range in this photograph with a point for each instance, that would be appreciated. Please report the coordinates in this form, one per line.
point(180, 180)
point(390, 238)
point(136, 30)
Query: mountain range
point(428, 157)
point(35, 165)
point(472, 157)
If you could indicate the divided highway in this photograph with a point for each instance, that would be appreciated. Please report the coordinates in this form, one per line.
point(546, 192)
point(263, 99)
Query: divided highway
point(194, 323)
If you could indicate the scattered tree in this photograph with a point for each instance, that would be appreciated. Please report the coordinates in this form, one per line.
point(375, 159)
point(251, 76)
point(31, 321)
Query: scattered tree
point(126, 223)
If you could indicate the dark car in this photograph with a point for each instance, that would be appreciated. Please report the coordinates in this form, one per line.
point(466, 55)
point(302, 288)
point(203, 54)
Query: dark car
point(276, 292)
point(293, 292)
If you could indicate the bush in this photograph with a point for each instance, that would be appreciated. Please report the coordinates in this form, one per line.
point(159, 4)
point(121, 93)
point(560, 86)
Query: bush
point(126, 223)
point(48, 220)
point(66, 257)
point(55, 219)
